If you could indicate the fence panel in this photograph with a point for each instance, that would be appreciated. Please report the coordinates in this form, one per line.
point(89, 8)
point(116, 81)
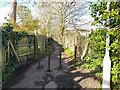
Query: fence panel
point(16, 51)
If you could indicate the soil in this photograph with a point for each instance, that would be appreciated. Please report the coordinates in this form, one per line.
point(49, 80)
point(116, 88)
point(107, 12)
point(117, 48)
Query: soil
point(67, 77)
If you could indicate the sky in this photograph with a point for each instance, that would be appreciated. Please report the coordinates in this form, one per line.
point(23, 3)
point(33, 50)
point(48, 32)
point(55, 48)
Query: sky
point(5, 8)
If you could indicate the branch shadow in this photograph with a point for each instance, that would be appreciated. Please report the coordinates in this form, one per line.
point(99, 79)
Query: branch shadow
point(78, 76)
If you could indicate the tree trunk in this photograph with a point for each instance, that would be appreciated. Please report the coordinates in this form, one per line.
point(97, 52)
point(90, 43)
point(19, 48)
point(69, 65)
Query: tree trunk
point(13, 11)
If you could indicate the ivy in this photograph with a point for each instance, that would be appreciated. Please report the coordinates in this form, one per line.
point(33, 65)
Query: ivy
point(97, 43)
point(9, 34)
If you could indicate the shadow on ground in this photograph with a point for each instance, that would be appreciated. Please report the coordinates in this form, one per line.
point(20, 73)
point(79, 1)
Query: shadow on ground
point(81, 77)
point(68, 77)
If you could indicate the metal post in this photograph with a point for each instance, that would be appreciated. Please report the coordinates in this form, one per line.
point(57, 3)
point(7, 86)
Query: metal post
point(106, 61)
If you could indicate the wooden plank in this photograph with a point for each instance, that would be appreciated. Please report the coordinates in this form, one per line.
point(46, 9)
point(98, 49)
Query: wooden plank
point(25, 54)
point(26, 45)
point(14, 51)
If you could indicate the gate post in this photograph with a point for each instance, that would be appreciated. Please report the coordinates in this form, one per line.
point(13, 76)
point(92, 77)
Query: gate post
point(106, 60)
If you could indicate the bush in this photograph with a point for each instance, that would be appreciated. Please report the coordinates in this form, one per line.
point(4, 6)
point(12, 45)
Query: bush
point(97, 52)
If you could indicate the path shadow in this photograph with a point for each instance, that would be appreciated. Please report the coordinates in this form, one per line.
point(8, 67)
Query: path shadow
point(19, 72)
point(78, 76)
point(70, 79)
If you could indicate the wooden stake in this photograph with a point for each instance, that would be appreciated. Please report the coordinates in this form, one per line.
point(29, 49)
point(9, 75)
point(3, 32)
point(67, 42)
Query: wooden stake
point(75, 51)
point(34, 47)
point(8, 52)
point(28, 50)
point(60, 64)
point(39, 65)
point(48, 70)
point(3, 58)
point(60, 58)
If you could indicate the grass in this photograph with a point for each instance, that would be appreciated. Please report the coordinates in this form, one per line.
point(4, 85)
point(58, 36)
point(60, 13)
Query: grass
point(45, 53)
point(68, 51)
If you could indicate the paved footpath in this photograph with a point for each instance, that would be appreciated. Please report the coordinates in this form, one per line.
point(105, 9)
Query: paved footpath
point(65, 78)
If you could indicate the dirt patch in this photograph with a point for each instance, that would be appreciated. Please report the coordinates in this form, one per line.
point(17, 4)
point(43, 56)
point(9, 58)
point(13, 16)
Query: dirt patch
point(65, 81)
point(45, 80)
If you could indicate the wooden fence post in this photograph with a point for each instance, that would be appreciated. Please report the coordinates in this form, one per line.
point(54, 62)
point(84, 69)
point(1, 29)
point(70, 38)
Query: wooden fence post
point(75, 49)
point(60, 63)
point(39, 64)
point(60, 52)
point(28, 49)
point(35, 44)
point(49, 51)
point(34, 47)
point(8, 52)
point(3, 58)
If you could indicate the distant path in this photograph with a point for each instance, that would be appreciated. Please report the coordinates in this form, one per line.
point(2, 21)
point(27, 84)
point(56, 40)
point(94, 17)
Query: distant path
point(65, 78)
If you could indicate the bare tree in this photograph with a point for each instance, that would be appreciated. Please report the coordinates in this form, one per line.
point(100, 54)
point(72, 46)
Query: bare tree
point(67, 12)
point(60, 15)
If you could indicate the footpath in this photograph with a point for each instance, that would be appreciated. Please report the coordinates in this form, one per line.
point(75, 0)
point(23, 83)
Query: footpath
point(68, 77)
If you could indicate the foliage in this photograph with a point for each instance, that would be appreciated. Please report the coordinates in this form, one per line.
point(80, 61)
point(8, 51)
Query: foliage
point(68, 51)
point(9, 34)
point(113, 13)
point(94, 58)
point(8, 74)
point(26, 20)
point(45, 53)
